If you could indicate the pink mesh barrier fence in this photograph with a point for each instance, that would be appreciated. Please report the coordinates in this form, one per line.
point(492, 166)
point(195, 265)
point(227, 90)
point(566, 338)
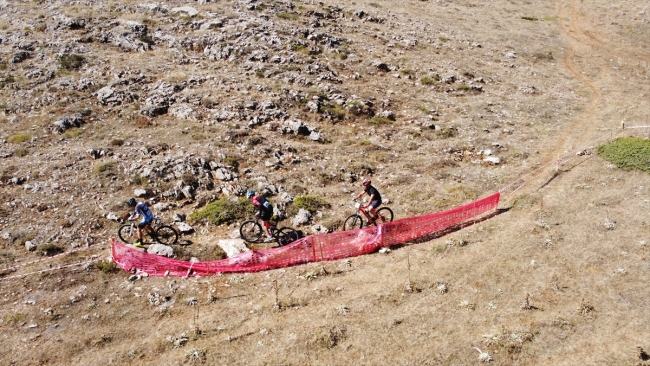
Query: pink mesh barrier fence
point(313, 248)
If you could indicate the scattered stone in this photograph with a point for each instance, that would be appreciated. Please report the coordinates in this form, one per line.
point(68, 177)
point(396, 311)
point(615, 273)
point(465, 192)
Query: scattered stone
point(161, 250)
point(232, 247)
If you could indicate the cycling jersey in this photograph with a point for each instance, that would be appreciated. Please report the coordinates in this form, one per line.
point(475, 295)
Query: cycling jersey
point(264, 208)
point(145, 214)
point(370, 190)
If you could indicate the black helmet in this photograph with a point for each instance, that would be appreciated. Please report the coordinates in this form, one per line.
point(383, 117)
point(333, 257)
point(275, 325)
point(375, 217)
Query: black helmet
point(130, 202)
point(366, 182)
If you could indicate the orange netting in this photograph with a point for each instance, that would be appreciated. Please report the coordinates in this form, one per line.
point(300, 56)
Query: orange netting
point(313, 248)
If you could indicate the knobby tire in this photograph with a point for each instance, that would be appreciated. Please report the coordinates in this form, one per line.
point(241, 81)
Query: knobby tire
point(286, 235)
point(353, 222)
point(251, 231)
point(127, 235)
point(166, 235)
point(387, 215)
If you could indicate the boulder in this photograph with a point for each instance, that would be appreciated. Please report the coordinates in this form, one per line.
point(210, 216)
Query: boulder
point(302, 217)
point(161, 250)
point(232, 247)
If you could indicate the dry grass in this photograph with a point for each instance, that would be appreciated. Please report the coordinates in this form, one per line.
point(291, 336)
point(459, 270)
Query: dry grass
point(558, 279)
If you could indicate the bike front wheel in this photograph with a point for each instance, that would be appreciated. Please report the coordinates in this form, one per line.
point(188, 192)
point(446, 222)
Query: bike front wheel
point(286, 235)
point(166, 235)
point(353, 222)
point(251, 231)
point(384, 215)
point(128, 233)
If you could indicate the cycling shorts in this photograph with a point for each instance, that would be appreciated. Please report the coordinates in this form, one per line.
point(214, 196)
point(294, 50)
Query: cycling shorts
point(375, 203)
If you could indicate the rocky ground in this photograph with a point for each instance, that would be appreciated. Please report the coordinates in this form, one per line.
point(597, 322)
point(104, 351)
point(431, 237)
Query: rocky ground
point(439, 102)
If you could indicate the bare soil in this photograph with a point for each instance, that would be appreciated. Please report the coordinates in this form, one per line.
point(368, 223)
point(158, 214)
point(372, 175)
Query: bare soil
point(557, 278)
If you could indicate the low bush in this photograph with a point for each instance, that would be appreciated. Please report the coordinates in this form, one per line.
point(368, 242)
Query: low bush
point(106, 266)
point(627, 153)
point(224, 211)
point(21, 152)
point(71, 62)
point(50, 249)
point(309, 203)
point(106, 169)
point(18, 138)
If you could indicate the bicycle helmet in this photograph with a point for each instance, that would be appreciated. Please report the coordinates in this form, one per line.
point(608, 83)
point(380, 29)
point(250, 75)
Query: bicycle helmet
point(130, 202)
point(250, 194)
point(366, 182)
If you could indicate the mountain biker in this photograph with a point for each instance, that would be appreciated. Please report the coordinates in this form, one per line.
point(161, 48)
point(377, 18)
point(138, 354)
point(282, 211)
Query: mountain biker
point(375, 198)
point(264, 211)
point(141, 212)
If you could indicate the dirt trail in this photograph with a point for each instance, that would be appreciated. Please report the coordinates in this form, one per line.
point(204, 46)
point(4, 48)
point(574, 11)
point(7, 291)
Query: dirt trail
point(586, 58)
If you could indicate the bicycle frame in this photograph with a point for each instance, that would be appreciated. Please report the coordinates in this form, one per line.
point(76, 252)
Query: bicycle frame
point(364, 211)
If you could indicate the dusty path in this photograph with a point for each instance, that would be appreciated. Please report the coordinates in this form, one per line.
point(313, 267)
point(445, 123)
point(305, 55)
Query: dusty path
point(603, 68)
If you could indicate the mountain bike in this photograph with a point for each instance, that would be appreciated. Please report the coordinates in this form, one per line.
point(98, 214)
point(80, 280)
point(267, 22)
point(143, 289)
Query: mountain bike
point(252, 232)
point(163, 234)
point(355, 221)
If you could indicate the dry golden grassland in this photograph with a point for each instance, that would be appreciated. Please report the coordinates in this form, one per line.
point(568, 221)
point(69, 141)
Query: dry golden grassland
point(558, 277)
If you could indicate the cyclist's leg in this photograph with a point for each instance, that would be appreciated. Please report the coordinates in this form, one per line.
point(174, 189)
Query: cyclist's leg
point(372, 208)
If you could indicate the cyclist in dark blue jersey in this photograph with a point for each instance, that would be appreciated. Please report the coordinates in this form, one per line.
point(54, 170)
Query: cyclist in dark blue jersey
point(141, 212)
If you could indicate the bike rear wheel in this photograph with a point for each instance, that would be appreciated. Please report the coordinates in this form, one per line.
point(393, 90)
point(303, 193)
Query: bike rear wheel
point(128, 233)
point(384, 215)
point(353, 222)
point(166, 235)
point(286, 235)
point(251, 231)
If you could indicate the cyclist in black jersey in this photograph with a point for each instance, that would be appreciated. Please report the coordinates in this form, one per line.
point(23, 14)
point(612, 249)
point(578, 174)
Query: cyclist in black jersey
point(264, 211)
point(375, 197)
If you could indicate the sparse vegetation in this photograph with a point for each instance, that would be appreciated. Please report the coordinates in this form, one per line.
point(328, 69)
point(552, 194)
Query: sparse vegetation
point(21, 152)
point(72, 133)
point(105, 169)
point(426, 80)
point(106, 266)
point(309, 203)
point(19, 138)
point(49, 249)
point(71, 61)
point(224, 211)
point(628, 153)
point(287, 16)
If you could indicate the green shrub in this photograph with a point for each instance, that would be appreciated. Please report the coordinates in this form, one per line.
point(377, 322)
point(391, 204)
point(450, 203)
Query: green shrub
point(309, 203)
point(106, 169)
point(380, 121)
point(21, 152)
point(407, 72)
point(19, 138)
point(446, 133)
point(224, 211)
point(139, 180)
point(106, 266)
point(71, 62)
point(463, 87)
point(231, 161)
point(116, 142)
point(73, 132)
point(50, 249)
point(288, 16)
point(627, 153)
point(425, 80)
point(13, 318)
point(147, 39)
point(335, 111)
